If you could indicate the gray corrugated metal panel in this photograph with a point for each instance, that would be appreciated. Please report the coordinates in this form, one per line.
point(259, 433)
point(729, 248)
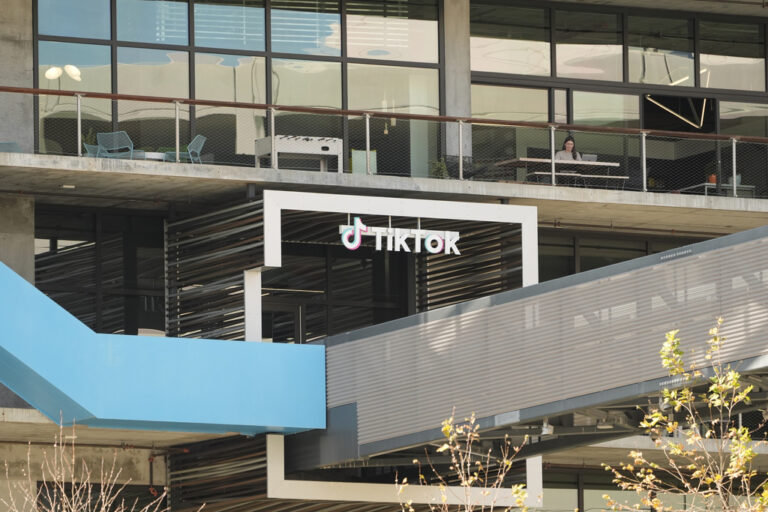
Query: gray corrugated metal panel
point(586, 338)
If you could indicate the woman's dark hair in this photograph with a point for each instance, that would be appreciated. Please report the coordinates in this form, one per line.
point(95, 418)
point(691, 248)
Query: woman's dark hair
point(569, 138)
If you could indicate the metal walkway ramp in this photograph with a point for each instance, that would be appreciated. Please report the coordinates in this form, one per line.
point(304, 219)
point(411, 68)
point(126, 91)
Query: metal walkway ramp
point(582, 341)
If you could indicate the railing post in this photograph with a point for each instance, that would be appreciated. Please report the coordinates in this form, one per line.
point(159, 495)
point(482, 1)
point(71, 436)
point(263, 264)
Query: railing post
point(552, 152)
point(461, 149)
point(78, 98)
point(178, 135)
point(367, 143)
point(643, 160)
point(733, 165)
point(273, 153)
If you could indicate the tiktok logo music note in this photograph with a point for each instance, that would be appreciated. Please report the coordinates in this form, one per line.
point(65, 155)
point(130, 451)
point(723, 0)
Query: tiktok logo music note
point(352, 237)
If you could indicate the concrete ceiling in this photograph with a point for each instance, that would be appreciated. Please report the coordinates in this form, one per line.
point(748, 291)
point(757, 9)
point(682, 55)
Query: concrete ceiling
point(151, 186)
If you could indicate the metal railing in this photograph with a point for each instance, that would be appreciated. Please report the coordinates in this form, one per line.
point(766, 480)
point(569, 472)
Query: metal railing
point(381, 142)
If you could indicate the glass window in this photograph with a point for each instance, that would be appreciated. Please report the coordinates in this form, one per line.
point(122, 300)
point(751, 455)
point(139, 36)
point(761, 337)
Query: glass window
point(152, 21)
point(599, 252)
point(732, 56)
point(598, 109)
point(556, 259)
point(147, 72)
point(393, 89)
point(74, 18)
point(561, 106)
point(744, 118)
point(510, 103)
point(588, 45)
point(660, 51)
point(231, 24)
point(392, 30)
point(72, 67)
point(403, 147)
point(509, 39)
point(306, 83)
point(306, 28)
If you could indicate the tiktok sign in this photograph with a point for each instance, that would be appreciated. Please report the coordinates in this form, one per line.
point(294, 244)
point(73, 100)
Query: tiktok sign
point(397, 239)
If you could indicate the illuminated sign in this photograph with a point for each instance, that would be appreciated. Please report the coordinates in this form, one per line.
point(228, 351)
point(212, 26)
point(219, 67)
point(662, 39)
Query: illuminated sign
point(433, 241)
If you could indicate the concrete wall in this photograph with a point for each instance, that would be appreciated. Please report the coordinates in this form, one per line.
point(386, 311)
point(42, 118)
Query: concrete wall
point(16, 62)
point(17, 235)
point(133, 465)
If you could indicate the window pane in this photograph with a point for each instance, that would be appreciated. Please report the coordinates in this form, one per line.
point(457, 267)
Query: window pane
point(744, 118)
point(510, 103)
point(230, 132)
point(152, 21)
point(72, 67)
point(151, 126)
point(597, 109)
point(403, 147)
point(231, 24)
point(74, 18)
point(732, 56)
point(509, 39)
point(306, 83)
point(588, 45)
point(307, 28)
point(392, 30)
point(561, 106)
point(661, 51)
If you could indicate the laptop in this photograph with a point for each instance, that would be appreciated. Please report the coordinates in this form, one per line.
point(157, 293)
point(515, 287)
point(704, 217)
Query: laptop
point(587, 157)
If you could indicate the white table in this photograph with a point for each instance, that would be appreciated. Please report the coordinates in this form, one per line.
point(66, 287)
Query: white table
point(301, 147)
point(576, 168)
point(741, 190)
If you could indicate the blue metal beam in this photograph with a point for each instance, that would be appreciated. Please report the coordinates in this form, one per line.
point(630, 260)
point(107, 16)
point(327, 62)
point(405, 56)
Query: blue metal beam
point(71, 374)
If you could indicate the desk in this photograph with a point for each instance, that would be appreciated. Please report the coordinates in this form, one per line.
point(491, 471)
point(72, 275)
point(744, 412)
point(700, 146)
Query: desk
point(583, 172)
point(302, 147)
point(741, 190)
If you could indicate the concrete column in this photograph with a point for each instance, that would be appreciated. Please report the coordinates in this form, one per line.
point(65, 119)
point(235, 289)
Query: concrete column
point(16, 63)
point(17, 235)
point(458, 77)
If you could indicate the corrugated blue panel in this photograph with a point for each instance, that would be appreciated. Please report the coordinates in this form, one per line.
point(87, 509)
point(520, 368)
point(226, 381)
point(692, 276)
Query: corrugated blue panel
point(67, 371)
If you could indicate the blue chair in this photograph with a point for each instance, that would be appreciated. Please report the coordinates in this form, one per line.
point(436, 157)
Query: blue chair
point(91, 149)
point(9, 147)
point(192, 153)
point(114, 145)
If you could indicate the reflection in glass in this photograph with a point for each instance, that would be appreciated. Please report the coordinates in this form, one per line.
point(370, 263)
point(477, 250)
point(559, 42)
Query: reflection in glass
point(393, 30)
point(744, 118)
point(306, 83)
point(509, 39)
point(72, 67)
point(230, 131)
point(403, 147)
point(732, 56)
point(661, 51)
point(588, 45)
point(73, 18)
point(152, 21)
point(561, 106)
point(598, 109)
point(141, 71)
point(494, 143)
point(510, 103)
point(231, 24)
point(306, 28)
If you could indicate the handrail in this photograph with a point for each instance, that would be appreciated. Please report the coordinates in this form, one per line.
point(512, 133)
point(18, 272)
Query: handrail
point(387, 115)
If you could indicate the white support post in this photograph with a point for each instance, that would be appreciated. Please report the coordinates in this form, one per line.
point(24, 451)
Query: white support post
point(79, 97)
point(252, 301)
point(552, 152)
point(273, 154)
point(643, 160)
point(461, 149)
point(178, 134)
point(367, 143)
point(733, 165)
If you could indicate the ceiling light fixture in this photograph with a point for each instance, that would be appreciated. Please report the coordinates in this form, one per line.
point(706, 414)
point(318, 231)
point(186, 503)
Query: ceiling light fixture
point(68, 186)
